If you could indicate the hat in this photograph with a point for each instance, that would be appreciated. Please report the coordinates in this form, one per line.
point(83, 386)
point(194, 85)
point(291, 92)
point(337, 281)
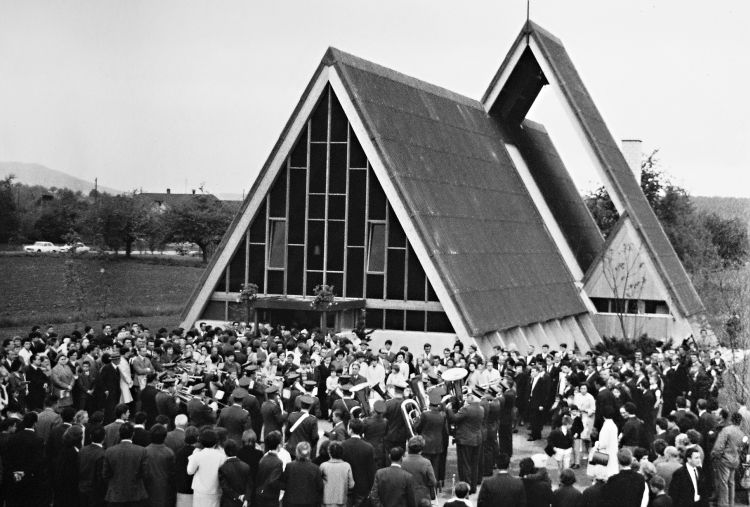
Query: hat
point(239, 393)
point(197, 388)
point(435, 398)
point(310, 384)
point(306, 401)
point(433, 377)
point(168, 382)
point(496, 389)
point(292, 375)
point(346, 387)
point(344, 379)
point(272, 390)
point(251, 368)
point(479, 391)
point(243, 382)
point(379, 407)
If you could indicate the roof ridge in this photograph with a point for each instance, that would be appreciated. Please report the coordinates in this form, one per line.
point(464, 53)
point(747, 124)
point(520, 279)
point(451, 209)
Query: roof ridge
point(334, 56)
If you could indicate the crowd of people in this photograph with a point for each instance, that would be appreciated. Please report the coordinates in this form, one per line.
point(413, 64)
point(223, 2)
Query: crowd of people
point(228, 416)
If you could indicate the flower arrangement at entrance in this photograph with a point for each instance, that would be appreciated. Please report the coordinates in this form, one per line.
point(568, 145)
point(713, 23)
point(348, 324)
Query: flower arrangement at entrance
point(324, 296)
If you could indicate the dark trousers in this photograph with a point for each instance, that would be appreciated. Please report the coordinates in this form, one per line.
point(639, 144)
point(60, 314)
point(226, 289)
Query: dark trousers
point(489, 451)
point(505, 438)
point(437, 465)
point(536, 419)
point(468, 464)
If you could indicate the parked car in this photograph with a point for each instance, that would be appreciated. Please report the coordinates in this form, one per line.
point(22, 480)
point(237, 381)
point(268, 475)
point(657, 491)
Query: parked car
point(76, 248)
point(42, 247)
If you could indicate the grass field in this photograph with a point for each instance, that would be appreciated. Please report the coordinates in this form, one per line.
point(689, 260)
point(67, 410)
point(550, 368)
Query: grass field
point(49, 289)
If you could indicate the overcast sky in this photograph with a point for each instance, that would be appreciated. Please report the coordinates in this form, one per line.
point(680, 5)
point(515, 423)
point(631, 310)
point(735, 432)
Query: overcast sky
point(156, 94)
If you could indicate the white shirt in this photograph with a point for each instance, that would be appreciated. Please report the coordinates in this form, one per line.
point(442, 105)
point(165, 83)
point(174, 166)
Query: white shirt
point(204, 465)
point(694, 479)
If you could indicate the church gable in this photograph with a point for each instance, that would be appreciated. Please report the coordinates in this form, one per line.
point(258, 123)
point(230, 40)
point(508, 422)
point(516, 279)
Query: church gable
point(325, 219)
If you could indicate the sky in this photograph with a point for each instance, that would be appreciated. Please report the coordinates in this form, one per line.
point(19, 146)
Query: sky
point(145, 94)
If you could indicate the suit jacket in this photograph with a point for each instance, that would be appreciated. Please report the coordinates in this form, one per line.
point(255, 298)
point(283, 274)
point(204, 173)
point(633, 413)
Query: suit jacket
point(685, 420)
point(109, 381)
point(273, 418)
point(392, 487)
point(183, 481)
point(252, 405)
point(592, 496)
point(125, 469)
point(175, 439)
point(361, 458)
point(538, 489)
point(375, 429)
point(166, 405)
point(468, 421)
point(539, 392)
point(37, 387)
point(268, 480)
point(46, 420)
point(148, 404)
point(682, 491)
point(201, 414)
point(160, 476)
point(424, 476)
point(236, 420)
point(112, 434)
point(433, 426)
point(90, 464)
point(25, 453)
point(396, 432)
point(661, 501)
point(141, 437)
point(338, 432)
point(624, 489)
point(235, 480)
point(566, 496)
point(306, 431)
point(504, 486)
point(604, 398)
point(65, 477)
point(303, 483)
point(54, 444)
point(506, 407)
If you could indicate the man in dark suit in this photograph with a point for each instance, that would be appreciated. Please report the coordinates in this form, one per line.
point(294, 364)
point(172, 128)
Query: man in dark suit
point(272, 413)
point(112, 430)
point(392, 486)
point(109, 384)
point(166, 404)
point(141, 436)
point(396, 431)
point(200, 414)
point(302, 426)
point(461, 496)
point(505, 423)
point(374, 432)
point(433, 426)
point(160, 466)
point(537, 407)
point(604, 399)
point(424, 481)
point(303, 479)
point(626, 488)
point(54, 443)
point(37, 383)
point(91, 485)
point(268, 479)
point(468, 422)
point(235, 418)
point(148, 399)
point(24, 465)
point(360, 456)
point(234, 478)
point(125, 469)
point(689, 485)
point(176, 438)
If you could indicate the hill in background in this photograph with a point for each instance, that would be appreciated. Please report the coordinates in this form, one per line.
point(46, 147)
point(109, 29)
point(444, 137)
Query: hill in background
point(37, 174)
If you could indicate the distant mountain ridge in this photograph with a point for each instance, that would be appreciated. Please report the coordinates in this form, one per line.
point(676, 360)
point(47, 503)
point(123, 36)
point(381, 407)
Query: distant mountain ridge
point(37, 174)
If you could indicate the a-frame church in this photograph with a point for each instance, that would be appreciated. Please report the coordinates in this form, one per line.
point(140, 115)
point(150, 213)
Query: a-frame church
point(443, 215)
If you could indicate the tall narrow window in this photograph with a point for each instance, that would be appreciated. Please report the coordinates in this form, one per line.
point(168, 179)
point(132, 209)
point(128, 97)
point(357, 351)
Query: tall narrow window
point(277, 242)
point(376, 253)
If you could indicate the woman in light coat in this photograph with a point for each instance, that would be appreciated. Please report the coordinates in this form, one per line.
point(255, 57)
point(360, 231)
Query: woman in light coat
point(337, 477)
point(608, 442)
point(204, 466)
point(62, 381)
point(126, 378)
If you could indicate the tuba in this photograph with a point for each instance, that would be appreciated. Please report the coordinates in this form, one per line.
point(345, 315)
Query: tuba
point(454, 382)
point(411, 411)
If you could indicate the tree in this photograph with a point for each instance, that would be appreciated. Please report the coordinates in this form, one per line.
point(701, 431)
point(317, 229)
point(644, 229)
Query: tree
point(730, 238)
point(625, 274)
point(116, 221)
point(201, 220)
point(9, 217)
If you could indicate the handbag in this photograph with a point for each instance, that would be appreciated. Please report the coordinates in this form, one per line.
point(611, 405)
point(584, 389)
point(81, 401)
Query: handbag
point(599, 458)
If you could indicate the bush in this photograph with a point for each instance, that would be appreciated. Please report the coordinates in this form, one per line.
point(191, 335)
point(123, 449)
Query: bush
point(627, 348)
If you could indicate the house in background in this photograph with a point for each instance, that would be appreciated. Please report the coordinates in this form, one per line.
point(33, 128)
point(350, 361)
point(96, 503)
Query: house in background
point(442, 216)
point(162, 201)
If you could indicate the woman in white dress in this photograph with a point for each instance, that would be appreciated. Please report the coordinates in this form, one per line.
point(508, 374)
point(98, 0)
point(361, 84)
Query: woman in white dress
point(587, 405)
point(608, 442)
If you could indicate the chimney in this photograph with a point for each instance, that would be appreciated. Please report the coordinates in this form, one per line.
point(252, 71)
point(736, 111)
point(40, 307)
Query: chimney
point(169, 190)
point(631, 150)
